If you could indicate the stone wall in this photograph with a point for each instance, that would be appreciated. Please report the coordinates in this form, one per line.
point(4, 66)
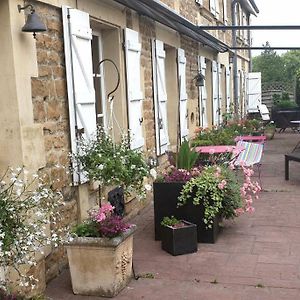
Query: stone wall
point(147, 33)
point(50, 105)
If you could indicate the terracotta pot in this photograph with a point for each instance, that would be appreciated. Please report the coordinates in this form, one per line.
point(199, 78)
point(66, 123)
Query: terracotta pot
point(101, 266)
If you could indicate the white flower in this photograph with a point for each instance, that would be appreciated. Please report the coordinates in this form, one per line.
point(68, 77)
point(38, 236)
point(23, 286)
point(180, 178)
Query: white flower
point(101, 167)
point(153, 173)
point(148, 187)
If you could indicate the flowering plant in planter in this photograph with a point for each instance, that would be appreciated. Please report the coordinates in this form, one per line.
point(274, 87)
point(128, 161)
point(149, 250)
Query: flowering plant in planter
point(111, 163)
point(182, 165)
point(102, 223)
point(221, 192)
point(27, 207)
point(101, 247)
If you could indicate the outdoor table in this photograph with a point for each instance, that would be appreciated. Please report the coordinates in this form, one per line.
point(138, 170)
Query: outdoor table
point(251, 138)
point(219, 149)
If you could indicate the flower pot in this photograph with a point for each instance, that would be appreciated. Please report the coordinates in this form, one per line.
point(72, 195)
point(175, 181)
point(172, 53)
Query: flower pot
point(101, 266)
point(165, 204)
point(179, 240)
point(269, 133)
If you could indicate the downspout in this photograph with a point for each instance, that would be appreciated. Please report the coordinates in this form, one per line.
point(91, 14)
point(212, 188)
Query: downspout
point(250, 44)
point(235, 61)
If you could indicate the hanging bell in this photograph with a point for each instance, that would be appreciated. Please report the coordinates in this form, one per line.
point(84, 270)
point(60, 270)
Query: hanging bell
point(33, 22)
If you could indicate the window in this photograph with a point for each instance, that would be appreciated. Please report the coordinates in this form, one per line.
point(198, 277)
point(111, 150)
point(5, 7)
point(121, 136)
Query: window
point(98, 74)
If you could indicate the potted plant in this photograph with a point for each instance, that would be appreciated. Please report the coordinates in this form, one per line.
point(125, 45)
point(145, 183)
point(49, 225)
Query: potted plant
point(112, 163)
point(100, 255)
point(269, 130)
point(167, 187)
point(216, 194)
point(203, 196)
point(178, 236)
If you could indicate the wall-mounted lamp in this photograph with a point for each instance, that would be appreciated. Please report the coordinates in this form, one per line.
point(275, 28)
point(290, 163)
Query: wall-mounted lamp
point(199, 79)
point(33, 22)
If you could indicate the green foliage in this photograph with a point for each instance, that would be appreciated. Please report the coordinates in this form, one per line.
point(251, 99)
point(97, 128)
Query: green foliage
point(298, 87)
point(87, 229)
point(277, 68)
point(186, 157)
point(283, 101)
point(112, 163)
point(270, 64)
point(146, 276)
point(291, 61)
point(217, 189)
point(169, 221)
point(226, 134)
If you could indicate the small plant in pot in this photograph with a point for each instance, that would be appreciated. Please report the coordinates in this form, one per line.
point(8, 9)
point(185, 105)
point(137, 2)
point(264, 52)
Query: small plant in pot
point(100, 254)
point(178, 236)
point(168, 185)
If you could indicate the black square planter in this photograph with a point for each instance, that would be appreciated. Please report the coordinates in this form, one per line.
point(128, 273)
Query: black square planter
point(181, 240)
point(165, 204)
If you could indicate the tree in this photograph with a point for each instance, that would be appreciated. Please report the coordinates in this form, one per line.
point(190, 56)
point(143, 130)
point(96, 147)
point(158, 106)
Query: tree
point(298, 87)
point(271, 65)
point(291, 61)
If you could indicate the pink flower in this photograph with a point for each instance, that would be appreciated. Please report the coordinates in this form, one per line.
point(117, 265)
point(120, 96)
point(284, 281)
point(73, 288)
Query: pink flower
point(104, 211)
point(250, 209)
point(222, 184)
point(100, 217)
point(106, 207)
point(239, 211)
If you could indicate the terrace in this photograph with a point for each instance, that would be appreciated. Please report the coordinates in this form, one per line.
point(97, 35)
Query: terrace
point(255, 257)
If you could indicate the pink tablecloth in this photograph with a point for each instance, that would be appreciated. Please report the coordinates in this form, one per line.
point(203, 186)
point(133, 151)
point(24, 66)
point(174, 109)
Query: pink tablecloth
point(219, 149)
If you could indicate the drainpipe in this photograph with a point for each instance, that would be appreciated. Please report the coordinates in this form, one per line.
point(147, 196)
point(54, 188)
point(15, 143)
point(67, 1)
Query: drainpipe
point(235, 61)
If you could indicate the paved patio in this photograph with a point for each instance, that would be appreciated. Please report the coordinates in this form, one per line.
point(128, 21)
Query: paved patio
point(255, 257)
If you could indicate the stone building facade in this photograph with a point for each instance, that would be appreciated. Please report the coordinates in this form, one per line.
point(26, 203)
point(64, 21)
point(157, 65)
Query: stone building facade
point(37, 129)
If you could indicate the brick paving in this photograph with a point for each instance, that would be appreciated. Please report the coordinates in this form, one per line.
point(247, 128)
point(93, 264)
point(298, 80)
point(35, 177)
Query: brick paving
point(256, 257)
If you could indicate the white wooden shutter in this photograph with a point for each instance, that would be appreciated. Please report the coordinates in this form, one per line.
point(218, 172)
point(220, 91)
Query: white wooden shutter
point(244, 94)
point(228, 89)
point(202, 93)
point(79, 70)
point(253, 91)
point(212, 6)
point(134, 93)
point(182, 95)
point(220, 96)
point(225, 14)
point(239, 88)
point(215, 92)
point(161, 121)
point(217, 5)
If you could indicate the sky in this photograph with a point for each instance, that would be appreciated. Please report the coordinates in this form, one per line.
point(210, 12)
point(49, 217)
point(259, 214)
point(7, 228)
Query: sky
point(275, 12)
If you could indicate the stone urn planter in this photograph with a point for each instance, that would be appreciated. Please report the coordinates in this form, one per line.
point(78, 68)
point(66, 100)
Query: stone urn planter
point(101, 266)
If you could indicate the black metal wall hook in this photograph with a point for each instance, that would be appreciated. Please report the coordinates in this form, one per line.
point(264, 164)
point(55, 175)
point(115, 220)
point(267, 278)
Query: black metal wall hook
point(118, 73)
